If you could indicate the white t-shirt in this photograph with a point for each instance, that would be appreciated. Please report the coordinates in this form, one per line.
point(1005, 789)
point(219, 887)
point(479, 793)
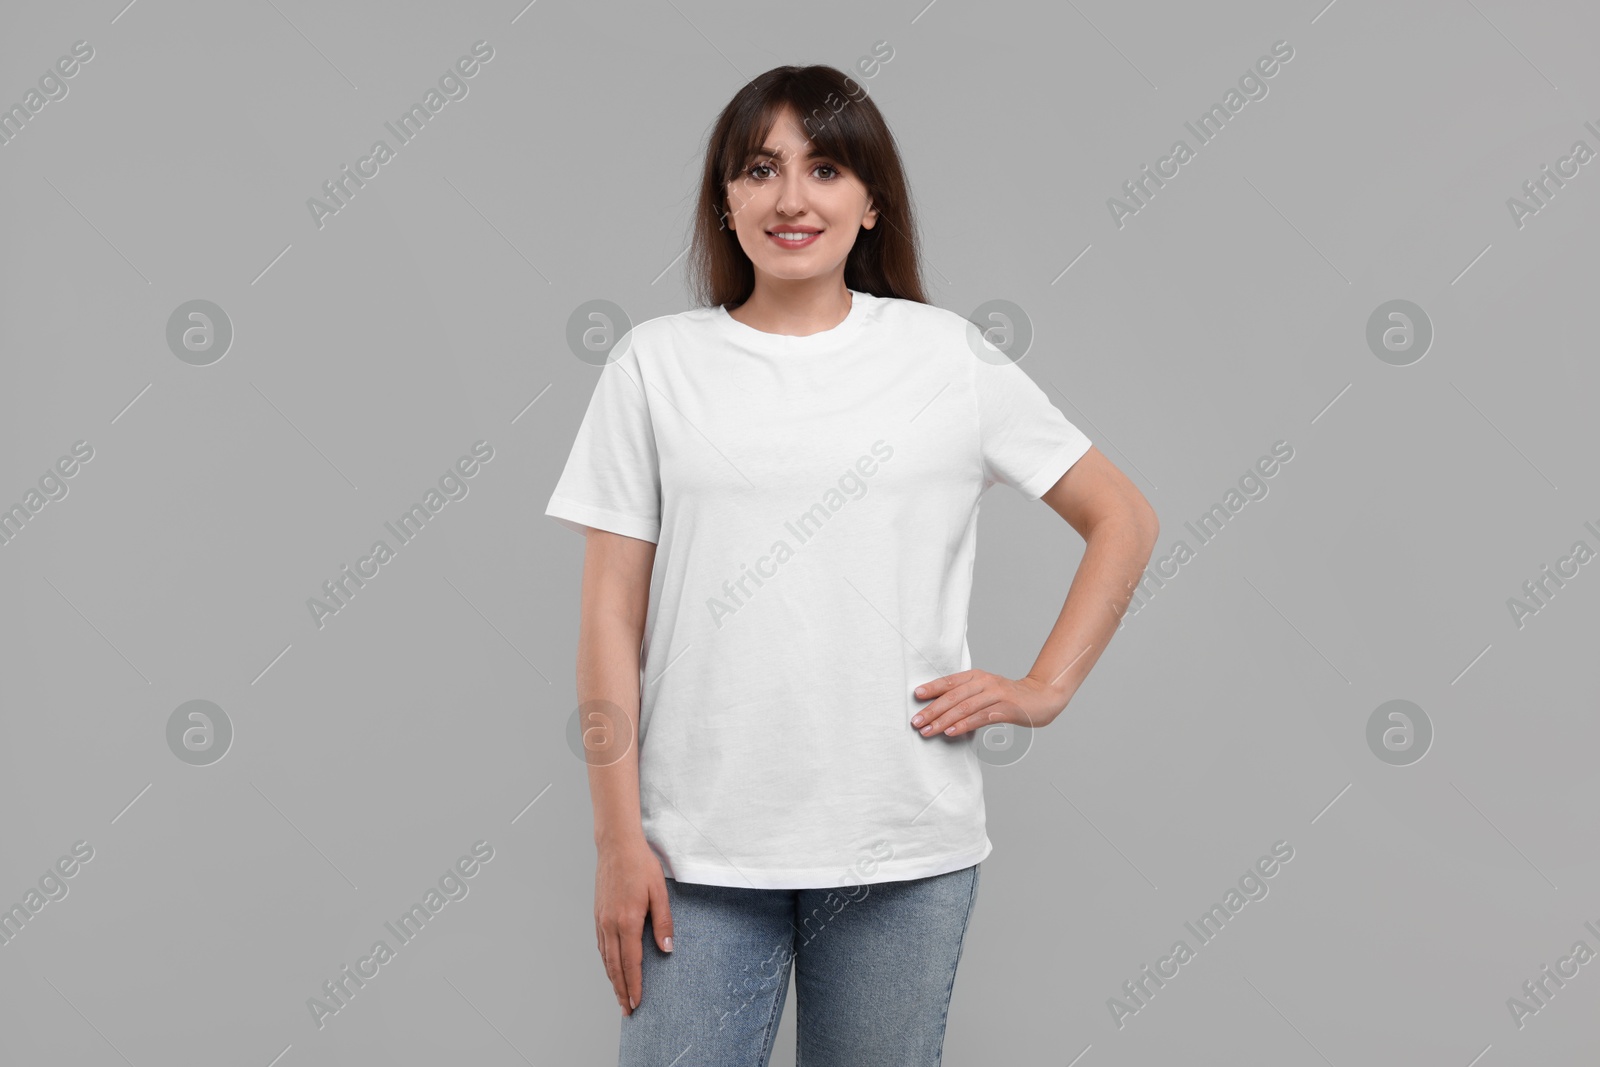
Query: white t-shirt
point(814, 502)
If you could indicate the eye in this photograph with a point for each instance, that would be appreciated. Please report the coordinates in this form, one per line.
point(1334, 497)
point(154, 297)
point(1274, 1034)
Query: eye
point(832, 175)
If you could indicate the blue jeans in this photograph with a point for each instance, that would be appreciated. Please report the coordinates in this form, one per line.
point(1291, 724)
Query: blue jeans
point(874, 965)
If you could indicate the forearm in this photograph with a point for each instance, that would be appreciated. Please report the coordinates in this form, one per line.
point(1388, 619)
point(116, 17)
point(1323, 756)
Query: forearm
point(608, 699)
point(1117, 550)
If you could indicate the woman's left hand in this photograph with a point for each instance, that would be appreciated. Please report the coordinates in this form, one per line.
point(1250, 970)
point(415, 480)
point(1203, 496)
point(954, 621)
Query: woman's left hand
point(972, 699)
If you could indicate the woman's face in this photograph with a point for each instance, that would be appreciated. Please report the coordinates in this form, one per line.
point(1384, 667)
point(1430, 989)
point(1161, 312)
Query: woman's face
point(789, 190)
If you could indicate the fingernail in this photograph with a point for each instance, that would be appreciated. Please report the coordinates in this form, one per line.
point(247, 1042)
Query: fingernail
point(920, 690)
point(668, 943)
point(916, 720)
point(635, 1004)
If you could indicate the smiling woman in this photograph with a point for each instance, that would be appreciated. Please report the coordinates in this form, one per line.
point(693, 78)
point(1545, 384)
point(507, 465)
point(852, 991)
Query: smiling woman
point(784, 183)
point(810, 156)
point(774, 750)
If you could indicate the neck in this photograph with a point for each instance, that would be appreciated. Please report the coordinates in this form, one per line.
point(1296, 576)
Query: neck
point(796, 307)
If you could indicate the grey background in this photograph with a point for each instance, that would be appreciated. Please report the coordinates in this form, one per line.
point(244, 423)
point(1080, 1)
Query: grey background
point(369, 355)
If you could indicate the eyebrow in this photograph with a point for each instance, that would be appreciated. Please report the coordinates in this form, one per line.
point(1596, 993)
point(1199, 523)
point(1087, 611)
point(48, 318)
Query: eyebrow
point(810, 153)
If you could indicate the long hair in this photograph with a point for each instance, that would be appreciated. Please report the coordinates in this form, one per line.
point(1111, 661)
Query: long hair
point(844, 124)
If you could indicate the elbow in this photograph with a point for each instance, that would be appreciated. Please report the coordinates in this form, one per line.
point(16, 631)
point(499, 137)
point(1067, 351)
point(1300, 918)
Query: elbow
point(1135, 522)
point(1149, 525)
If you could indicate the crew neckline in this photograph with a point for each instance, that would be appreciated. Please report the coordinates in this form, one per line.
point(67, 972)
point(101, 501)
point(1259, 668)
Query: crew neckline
point(846, 328)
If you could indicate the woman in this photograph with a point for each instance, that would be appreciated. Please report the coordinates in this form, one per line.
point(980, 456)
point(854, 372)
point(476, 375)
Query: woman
point(807, 452)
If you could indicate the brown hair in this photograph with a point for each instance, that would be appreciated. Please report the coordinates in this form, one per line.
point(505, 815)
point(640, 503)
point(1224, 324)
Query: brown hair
point(844, 124)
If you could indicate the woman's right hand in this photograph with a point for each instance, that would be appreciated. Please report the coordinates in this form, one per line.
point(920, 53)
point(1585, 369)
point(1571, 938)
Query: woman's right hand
point(628, 885)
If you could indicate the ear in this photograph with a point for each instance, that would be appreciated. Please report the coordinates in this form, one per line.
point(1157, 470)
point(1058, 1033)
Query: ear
point(870, 218)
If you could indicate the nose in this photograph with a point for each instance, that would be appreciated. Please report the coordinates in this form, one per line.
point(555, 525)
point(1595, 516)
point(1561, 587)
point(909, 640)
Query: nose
point(791, 194)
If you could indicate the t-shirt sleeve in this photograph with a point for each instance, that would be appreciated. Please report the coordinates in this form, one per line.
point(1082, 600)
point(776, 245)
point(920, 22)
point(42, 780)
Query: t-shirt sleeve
point(612, 480)
point(1026, 441)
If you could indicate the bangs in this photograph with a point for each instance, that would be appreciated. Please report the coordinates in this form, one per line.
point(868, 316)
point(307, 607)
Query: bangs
point(824, 120)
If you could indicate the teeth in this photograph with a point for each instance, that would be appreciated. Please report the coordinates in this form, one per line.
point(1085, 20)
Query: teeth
point(792, 236)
